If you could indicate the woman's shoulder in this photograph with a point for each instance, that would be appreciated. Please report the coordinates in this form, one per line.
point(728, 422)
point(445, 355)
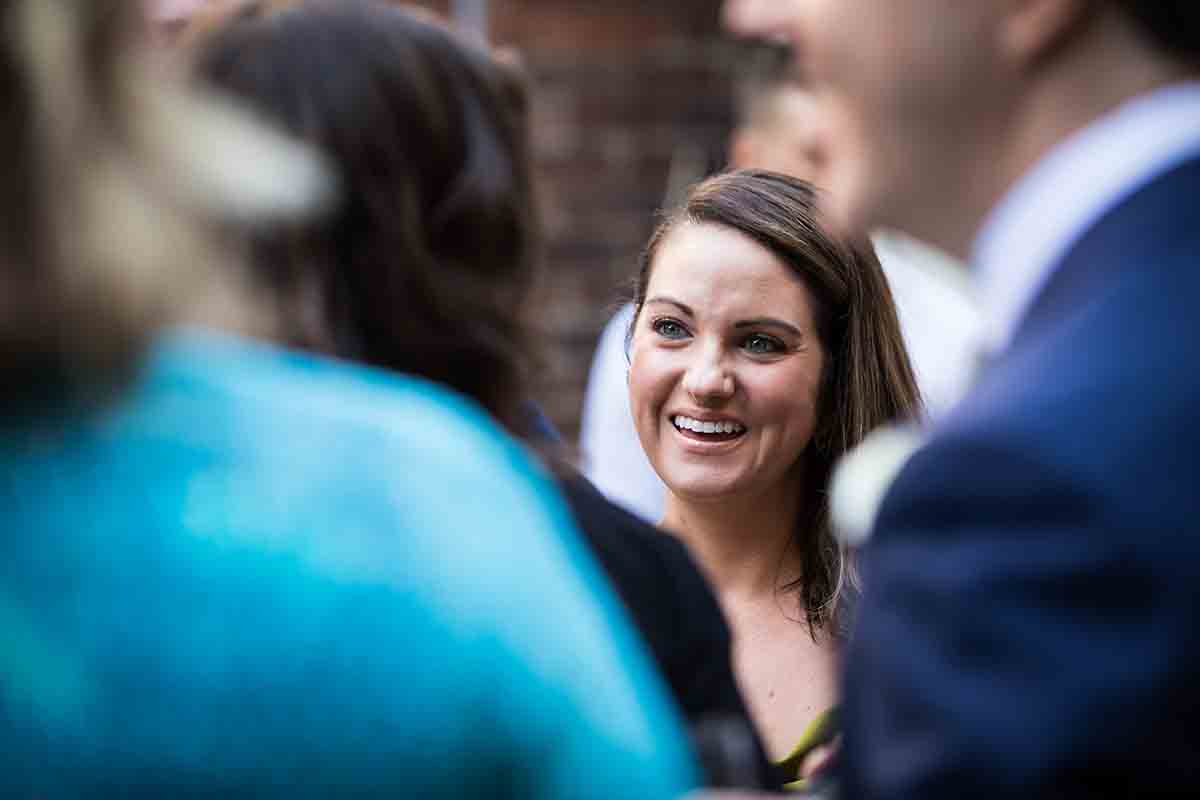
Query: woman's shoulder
point(637, 555)
point(228, 372)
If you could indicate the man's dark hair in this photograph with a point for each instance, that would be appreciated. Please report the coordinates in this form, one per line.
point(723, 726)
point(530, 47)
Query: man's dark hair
point(1172, 25)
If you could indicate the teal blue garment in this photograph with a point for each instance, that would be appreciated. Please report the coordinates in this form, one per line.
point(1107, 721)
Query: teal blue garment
point(268, 574)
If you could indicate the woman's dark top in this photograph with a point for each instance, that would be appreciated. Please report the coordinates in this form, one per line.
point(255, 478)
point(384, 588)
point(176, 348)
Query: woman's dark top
point(678, 616)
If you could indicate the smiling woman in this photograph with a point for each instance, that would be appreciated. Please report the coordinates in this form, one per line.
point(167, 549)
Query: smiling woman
point(728, 369)
point(762, 349)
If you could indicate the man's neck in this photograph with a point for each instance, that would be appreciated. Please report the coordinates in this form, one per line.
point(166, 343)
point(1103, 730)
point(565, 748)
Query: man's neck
point(1102, 68)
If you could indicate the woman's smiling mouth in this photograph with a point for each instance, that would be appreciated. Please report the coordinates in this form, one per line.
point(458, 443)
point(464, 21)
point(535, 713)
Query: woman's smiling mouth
point(719, 430)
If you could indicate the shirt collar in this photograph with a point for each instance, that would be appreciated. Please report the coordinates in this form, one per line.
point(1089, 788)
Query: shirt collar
point(1029, 232)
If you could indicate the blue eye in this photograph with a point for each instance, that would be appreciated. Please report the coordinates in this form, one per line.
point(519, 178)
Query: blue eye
point(761, 345)
point(669, 328)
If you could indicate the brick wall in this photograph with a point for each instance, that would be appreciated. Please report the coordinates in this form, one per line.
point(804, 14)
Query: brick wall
point(623, 90)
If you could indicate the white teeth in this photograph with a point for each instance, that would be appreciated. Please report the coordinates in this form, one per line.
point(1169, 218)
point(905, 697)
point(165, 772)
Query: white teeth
point(724, 426)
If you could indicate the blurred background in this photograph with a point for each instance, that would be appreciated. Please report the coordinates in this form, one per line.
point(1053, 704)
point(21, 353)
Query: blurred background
point(632, 100)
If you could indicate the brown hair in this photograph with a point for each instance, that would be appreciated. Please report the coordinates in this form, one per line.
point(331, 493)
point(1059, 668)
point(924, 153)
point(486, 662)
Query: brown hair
point(426, 266)
point(867, 379)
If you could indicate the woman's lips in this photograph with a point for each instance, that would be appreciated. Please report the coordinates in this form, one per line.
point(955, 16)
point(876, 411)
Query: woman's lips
point(708, 430)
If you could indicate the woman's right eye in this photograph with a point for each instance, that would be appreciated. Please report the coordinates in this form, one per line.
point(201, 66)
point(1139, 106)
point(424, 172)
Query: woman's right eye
point(669, 328)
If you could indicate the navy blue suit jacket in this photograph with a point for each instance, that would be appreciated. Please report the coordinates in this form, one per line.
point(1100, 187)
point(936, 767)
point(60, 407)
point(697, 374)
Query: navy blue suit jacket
point(1031, 622)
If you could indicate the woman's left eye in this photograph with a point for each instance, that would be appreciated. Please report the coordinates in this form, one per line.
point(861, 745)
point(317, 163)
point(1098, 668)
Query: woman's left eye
point(758, 344)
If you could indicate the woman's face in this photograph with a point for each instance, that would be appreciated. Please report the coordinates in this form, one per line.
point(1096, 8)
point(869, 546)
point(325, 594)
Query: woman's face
point(725, 366)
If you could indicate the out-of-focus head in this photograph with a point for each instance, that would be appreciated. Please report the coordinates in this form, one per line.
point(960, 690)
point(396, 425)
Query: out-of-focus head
point(116, 181)
point(901, 87)
point(750, 316)
point(430, 259)
point(775, 119)
point(928, 109)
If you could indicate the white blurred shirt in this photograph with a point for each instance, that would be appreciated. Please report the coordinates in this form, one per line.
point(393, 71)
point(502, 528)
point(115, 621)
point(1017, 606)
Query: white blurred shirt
point(941, 323)
point(613, 458)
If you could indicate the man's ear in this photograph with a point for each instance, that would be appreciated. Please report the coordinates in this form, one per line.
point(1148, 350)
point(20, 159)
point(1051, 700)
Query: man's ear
point(1032, 29)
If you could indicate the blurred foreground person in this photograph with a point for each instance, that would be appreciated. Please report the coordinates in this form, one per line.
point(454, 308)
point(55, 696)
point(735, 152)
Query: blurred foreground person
point(1029, 624)
point(427, 268)
point(231, 571)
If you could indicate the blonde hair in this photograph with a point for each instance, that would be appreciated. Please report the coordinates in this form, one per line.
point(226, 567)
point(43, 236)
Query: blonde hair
point(110, 209)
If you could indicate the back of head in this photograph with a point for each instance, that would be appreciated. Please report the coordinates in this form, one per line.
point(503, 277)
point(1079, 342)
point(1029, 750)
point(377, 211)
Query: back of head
point(429, 260)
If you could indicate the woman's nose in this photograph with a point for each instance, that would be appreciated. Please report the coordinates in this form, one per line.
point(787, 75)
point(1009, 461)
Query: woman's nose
point(707, 379)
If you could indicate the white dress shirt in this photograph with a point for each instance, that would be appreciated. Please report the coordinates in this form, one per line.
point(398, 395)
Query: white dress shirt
point(1033, 227)
point(938, 317)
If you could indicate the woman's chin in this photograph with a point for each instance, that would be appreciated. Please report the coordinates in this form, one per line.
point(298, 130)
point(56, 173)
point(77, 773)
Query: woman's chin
point(705, 489)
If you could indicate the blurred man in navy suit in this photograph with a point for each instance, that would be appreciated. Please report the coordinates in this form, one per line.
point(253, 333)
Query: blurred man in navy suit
point(1031, 621)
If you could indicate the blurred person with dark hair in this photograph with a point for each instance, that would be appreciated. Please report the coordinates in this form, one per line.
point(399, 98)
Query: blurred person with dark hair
point(762, 350)
point(1028, 628)
point(427, 267)
point(233, 571)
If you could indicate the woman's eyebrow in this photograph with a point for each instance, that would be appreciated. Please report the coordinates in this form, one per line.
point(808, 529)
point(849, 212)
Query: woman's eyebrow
point(770, 322)
point(660, 299)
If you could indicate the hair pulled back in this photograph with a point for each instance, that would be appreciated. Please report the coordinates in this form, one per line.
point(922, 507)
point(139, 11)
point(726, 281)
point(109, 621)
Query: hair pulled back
point(427, 265)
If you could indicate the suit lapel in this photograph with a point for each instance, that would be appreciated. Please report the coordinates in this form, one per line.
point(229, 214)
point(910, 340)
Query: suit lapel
point(1133, 236)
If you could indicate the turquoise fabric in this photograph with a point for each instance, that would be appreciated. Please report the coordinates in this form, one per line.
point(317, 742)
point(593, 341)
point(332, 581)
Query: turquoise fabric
point(269, 574)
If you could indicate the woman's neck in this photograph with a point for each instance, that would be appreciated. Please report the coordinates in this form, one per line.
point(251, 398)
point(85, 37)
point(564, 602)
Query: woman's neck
point(745, 545)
